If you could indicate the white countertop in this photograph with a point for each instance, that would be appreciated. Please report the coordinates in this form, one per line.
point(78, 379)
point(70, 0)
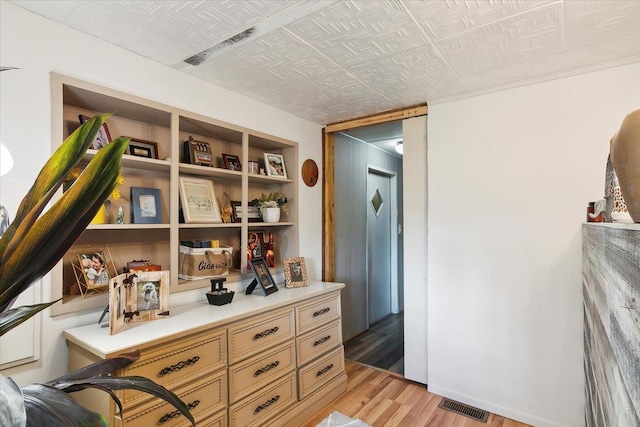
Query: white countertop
point(190, 318)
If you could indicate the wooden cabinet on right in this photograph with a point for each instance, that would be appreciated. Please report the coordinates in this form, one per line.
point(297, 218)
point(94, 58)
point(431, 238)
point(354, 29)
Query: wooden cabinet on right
point(611, 291)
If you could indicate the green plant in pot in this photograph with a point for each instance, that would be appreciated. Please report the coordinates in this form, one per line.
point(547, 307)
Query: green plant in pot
point(271, 205)
point(31, 246)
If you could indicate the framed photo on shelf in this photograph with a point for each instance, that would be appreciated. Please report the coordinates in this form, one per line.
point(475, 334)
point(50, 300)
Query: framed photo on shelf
point(138, 297)
point(263, 279)
point(231, 162)
point(142, 148)
point(255, 243)
point(102, 138)
point(295, 272)
point(274, 164)
point(197, 152)
point(253, 212)
point(93, 268)
point(145, 206)
point(199, 203)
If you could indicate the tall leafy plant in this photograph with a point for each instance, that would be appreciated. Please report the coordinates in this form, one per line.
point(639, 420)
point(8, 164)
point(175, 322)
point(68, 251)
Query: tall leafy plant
point(35, 241)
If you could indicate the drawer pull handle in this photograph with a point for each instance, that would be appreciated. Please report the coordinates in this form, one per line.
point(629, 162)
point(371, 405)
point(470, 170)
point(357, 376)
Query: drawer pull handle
point(266, 368)
point(266, 404)
point(178, 366)
point(322, 340)
point(265, 333)
point(170, 415)
point(324, 370)
point(321, 312)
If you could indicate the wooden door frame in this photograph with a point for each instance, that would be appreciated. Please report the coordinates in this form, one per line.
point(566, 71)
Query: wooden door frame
point(328, 187)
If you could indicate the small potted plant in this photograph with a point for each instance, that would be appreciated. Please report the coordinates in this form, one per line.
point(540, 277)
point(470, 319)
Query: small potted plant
point(271, 206)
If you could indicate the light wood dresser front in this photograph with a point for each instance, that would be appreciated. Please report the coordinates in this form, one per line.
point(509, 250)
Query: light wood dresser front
point(259, 361)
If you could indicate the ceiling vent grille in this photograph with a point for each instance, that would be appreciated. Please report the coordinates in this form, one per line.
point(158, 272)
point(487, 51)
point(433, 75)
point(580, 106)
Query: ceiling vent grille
point(462, 409)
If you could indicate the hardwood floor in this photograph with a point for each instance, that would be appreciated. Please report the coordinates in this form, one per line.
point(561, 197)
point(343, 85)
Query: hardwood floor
point(381, 346)
point(384, 399)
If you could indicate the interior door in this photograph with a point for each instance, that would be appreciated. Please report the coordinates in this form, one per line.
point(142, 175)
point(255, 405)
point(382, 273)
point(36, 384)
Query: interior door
point(379, 245)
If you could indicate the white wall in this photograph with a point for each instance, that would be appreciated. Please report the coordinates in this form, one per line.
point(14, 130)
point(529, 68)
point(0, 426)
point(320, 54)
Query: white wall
point(510, 175)
point(38, 46)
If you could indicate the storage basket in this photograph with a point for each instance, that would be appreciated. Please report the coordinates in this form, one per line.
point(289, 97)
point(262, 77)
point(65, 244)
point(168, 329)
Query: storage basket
point(204, 263)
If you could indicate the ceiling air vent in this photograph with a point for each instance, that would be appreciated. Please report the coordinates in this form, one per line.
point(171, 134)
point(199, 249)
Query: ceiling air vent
point(462, 409)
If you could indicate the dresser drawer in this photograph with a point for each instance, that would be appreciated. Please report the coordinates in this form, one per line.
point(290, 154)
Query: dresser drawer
point(204, 398)
point(310, 316)
point(318, 342)
point(217, 420)
point(267, 403)
point(177, 362)
point(260, 370)
point(317, 373)
point(249, 338)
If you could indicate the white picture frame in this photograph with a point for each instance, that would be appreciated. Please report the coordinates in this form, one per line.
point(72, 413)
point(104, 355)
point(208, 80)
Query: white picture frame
point(274, 164)
point(198, 200)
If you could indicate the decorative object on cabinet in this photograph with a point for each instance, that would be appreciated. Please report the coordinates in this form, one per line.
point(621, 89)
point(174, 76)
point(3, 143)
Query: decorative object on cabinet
point(199, 203)
point(226, 213)
point(271, 205)
point(263, 279)
point(138, 297)
point(270, 254)
point(310, 172)
point(146, 208)
point(254, 167)
point(274, 163)
point(92, 269)
point(219, 295)
point(142, 148)
point(197, 152)
point(253, 212)
point(255, 246)
point(231, 162)
point(204, 263)
point(102, 138)
point(36, 240)
point(295, 272)
point(624, 152)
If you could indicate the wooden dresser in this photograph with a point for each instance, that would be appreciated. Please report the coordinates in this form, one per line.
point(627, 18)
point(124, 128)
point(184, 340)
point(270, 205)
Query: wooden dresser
point(259, 361)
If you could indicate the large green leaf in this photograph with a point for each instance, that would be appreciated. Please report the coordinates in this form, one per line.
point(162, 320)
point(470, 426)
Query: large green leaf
point(50, 407)
point(101, 367)
point(11, 318)
point(51, 235)
point(126, 383)
point(53, 174)
point(12, 411)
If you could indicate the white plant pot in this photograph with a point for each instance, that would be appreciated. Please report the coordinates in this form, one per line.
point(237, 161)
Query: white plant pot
point(271, 215)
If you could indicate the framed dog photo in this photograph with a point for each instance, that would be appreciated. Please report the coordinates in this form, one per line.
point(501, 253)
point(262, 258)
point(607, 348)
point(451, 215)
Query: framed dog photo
point(146, 207)
point(102, 138)
point(199, 203)
point(295, 272)
point(142, 148)
point(138, 297)
point(275, 165)
point(231, 162)
point(263, 279)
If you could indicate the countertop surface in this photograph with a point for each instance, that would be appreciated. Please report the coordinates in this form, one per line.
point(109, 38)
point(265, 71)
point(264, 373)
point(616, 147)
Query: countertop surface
point(190, 318)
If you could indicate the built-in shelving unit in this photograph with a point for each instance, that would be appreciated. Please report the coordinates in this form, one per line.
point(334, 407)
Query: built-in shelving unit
point(169, 127)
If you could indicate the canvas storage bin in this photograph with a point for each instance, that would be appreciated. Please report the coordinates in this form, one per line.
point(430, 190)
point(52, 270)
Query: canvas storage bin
point(204, 263)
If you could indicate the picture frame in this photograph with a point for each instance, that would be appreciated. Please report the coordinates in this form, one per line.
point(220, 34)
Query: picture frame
point(145, 206)
point(142, 148)
point(197, 152)
point(274, 164)
point(253, 212)
point(295, 272)
point(138, 297)
point(232, 162)
point(255, 244)
point(263, 279)
point(102, 138)
point(93, 268)
point(198, 200)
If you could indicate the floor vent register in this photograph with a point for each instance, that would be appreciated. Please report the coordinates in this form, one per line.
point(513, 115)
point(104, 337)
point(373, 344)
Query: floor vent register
point(462, 409)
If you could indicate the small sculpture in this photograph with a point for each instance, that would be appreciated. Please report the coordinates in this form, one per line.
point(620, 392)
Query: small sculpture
point(120, 216)
point(605, 206)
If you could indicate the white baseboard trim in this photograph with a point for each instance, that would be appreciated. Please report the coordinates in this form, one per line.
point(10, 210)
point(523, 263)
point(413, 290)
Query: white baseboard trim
point(492, 407)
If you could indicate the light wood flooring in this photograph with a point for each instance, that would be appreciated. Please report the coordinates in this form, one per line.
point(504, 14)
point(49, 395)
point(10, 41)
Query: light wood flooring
point(384, 399)
point(381, 346)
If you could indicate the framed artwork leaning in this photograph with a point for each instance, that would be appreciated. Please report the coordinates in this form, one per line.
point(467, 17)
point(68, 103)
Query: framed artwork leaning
point(198, 200)
point(274, 163)
point(263, 279)
point(295, 272)
point(102, 138)
point(145, 206)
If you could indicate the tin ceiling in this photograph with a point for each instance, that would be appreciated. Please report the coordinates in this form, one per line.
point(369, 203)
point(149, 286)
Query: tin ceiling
point(329, 61)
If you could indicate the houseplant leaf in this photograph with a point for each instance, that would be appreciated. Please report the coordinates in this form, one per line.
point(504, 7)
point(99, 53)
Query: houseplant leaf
point(12, 404)
point(11, 318)
point(48, 406)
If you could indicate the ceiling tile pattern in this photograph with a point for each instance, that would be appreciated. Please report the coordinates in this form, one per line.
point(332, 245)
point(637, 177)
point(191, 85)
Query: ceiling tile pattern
point(331, 60)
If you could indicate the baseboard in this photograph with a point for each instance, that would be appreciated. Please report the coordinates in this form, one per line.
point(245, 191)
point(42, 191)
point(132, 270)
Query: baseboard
point(492, 407)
